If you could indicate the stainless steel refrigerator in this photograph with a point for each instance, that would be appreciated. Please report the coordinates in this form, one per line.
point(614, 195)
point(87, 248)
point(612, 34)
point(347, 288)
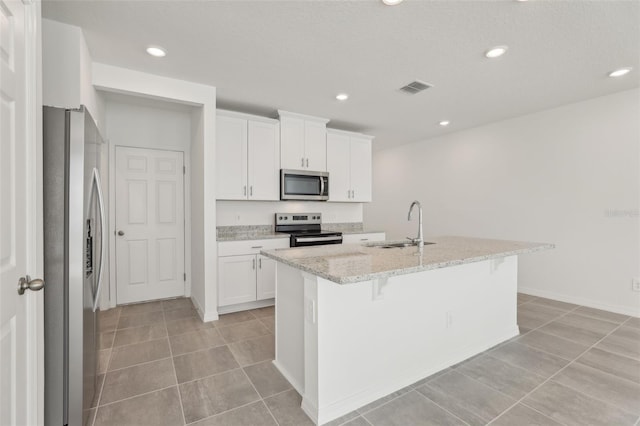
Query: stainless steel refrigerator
point(74, 253)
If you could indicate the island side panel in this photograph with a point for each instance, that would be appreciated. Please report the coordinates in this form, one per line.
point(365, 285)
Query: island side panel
point(376, 338)
point(290, 325)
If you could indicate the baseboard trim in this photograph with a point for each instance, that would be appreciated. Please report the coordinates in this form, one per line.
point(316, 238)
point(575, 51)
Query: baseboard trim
point(618, 309)
point(297, 386)
point(204, 316)
point(246, 306)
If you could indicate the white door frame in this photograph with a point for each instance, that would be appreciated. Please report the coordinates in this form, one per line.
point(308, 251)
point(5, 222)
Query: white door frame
point(186, 155)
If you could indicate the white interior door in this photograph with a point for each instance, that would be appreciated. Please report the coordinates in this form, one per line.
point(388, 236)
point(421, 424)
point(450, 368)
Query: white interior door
point(21, 333)
point(149, 224)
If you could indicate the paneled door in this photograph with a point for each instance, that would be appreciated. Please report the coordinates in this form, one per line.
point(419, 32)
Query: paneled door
point(21, 332)
point(149, 224)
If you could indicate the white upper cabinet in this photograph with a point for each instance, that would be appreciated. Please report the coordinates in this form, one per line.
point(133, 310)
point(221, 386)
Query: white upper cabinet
point(361, 168)
point(231, 154)
point(339, 166)
point(247, 157)
point(349, 166)
point(292, 143)
point(264, 161)
point(303, 143)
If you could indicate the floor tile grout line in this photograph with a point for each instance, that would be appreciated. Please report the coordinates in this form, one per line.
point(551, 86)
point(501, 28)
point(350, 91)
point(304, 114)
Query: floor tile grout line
point(258, 393)
point(104, 380)
point(488, 353)
point(521, 400)
point(175, 373)
point(141, 341)
point(436, 404)
point(224, 412)
point(135, 396)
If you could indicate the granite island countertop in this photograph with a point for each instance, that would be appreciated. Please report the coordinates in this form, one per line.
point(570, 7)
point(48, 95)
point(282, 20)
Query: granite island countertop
point(352, 263)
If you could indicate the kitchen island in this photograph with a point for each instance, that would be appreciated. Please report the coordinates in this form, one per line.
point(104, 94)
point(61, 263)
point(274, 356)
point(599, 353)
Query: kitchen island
point(357, 322)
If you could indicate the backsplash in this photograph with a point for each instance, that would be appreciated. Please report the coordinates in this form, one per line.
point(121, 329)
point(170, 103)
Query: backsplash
point(234, 213)
point(243, 230)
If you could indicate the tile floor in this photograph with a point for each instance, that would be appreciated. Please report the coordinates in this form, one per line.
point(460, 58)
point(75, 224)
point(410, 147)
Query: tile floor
point(160, 365)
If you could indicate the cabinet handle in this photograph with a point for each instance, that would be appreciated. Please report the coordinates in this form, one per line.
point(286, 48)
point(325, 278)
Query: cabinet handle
point(251, 190)
point(302, 164)
point(253, 263)
point(244, 190)
point(256, 247)
point(364, 239)
point(353, 193)
point(307, 163)
point(260, 263)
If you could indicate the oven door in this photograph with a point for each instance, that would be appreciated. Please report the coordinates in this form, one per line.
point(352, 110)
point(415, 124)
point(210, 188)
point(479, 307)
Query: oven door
point(304, 185)
point(314, 240)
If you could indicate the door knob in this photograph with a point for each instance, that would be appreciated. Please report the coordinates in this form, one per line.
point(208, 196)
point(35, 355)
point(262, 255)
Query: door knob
point(121, 233)
point(26, 283)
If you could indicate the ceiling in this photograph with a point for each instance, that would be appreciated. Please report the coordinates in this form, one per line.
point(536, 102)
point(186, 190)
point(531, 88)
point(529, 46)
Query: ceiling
point(297, 55)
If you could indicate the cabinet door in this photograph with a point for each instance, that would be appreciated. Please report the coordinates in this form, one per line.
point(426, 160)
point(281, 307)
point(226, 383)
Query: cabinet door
point(264, 161)
point(236, 279)
point(292, 143)
point(338, 166)
point(231, 158)
point(361, 169)
point(266, 282)
point(315, 146)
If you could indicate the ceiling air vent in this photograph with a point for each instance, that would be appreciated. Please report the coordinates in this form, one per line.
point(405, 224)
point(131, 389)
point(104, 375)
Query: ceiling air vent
point(415, 87)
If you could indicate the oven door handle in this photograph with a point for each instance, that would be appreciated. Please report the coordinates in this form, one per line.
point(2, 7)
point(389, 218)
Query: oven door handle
point(317, 239)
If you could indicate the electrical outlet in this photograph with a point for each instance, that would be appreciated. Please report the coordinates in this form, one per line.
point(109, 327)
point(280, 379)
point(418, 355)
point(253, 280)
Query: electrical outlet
point(635, 284)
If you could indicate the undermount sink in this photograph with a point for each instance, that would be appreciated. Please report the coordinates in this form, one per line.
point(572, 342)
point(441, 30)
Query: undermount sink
point(389, 245)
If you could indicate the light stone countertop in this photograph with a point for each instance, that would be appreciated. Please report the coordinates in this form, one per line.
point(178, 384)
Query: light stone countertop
point(247, 232)
point(260, 232)
point(251, 236)
point(352, 263)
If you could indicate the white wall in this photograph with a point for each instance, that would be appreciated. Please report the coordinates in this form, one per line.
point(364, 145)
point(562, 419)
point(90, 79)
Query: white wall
point(200, 257)
point(66, 70)
point(203, 181)
point(262, 212)
point(554, 176)
point(142, 124)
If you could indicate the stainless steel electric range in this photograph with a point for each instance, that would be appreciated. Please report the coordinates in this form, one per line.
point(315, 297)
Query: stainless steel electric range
point(306, 229)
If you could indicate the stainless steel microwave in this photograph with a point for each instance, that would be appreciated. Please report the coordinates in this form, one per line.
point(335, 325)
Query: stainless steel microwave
point(304, 185)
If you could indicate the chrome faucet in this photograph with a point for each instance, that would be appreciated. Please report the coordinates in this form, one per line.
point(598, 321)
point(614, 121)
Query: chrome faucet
point(420, 240)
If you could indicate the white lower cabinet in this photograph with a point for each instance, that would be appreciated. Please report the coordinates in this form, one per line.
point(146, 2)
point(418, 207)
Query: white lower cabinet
point(237, 279)
point(244, 275)
point(363, 238)
point(265, 278)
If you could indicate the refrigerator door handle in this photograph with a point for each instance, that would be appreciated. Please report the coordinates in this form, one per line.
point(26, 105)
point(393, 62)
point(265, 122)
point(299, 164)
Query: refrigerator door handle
point(103, 240)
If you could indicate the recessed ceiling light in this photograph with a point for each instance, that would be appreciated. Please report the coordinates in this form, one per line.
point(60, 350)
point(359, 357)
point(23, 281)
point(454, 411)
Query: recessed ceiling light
point(444, 123)
point(496, 52)
point(619, 72)
point(342, 96)
point(391, 2)
point(156, 51)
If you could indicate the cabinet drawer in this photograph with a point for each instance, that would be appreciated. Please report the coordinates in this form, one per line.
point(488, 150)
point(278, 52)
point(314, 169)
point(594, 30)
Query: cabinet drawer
point(362, 238)
point(234, 248)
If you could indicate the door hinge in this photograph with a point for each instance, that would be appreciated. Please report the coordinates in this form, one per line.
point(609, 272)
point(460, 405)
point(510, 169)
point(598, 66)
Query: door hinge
point(185, 276)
